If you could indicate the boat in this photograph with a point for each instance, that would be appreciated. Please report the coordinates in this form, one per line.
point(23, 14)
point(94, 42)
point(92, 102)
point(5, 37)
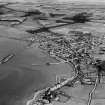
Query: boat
point(6, 58)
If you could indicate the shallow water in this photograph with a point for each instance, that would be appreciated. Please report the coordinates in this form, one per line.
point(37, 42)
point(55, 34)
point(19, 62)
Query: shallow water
point(18, 78)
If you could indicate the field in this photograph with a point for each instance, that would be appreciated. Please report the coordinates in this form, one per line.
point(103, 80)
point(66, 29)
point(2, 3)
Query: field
point(31, 32)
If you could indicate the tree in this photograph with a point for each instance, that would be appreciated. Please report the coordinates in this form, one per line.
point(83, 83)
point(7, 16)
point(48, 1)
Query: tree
point(81, 17)
point(32, 13)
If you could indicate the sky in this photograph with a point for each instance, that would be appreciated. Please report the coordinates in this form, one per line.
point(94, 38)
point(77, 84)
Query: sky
point(86, 0)
point(83, 0)
point(59, 0)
